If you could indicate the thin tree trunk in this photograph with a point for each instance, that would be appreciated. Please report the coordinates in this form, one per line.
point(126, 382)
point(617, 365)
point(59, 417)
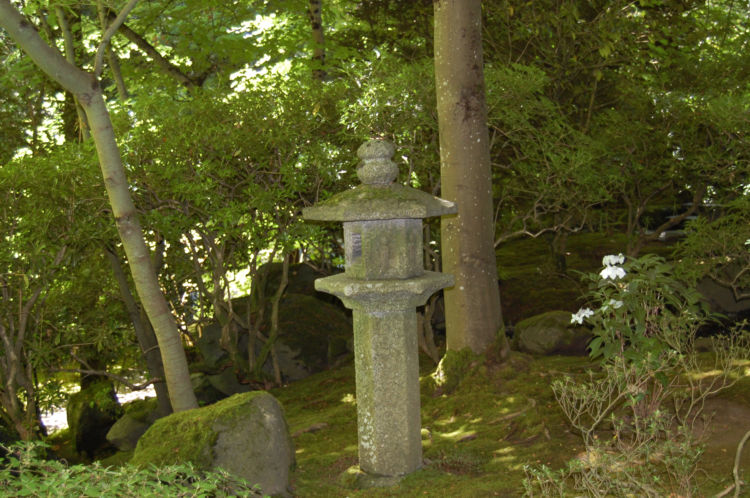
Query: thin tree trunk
point(472, 306)
point(112, 60)
point(87, 90)
point(160, 61)
point(144, 333)
point(273, 334)
point(70, 55)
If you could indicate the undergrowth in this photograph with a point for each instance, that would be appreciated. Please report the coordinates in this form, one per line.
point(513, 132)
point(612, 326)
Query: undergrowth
point(25, 471)
point(640, 415)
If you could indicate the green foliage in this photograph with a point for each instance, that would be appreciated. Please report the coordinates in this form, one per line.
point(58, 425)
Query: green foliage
point(640, 423)
point(720, 248)
point(25, 472)
point(641, 311)
point(639, 415)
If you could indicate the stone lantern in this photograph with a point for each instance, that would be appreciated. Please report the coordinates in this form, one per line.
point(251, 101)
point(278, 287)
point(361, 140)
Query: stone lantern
point(383, 283)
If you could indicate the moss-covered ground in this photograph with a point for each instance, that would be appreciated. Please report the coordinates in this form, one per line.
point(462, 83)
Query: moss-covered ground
point(476, 440)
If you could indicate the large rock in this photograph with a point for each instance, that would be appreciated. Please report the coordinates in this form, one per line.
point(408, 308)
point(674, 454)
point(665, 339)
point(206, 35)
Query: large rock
point(91, 413)
point(313, 335)
point(316, 334)
point(226, 382)
point(551, 333)
point(301, 280)
point(204, 390)
point(245, 434)
point(209, 346)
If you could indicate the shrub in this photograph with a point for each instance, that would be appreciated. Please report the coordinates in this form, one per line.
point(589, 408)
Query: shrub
point(637, 413)
point(24, 472)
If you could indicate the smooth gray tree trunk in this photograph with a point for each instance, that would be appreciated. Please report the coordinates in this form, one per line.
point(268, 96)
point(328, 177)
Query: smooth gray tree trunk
point(472, 306)
point(87, 90)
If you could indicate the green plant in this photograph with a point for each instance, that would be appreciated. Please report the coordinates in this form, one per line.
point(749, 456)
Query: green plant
point(25, 472)
point(641, 311)
point(638, 414)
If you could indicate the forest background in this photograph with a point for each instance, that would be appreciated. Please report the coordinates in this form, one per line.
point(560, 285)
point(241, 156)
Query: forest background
point(613, 117)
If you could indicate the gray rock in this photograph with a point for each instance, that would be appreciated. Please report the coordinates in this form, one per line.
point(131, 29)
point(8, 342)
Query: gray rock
point(125, 433)
point(551, 333)
point(139, 415)
point(246, 434)
point(721, 299)
point(204, 390)
point(226, 382)
point(210, 347)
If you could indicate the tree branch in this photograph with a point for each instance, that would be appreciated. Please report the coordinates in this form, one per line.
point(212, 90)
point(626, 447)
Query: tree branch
point(158, 59)
point(54, 64)
point(115, 377)
point(107, 36)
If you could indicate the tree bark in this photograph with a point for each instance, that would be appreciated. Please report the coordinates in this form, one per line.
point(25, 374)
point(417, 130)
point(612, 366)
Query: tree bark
point(472, 306)
point(87, 90)
point(314, 12)
point(144, 333)
point(70, 55)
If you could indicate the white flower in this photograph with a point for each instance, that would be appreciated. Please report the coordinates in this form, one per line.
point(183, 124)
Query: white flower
point(613, 260)
point(613, 272)
point(581, 315)
point(614, 303)
point(747, 242)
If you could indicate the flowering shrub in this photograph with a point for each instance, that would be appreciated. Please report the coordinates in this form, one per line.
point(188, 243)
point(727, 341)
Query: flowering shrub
point(638, 309)
point(636, 415)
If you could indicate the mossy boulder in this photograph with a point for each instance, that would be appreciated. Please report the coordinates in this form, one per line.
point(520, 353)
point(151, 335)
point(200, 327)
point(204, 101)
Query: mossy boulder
point(245, 434)
point(551, 333)
point(91, 413)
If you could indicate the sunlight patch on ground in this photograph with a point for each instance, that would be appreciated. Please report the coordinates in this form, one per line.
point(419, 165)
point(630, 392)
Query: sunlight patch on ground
point(457, 434)
point(349, 398)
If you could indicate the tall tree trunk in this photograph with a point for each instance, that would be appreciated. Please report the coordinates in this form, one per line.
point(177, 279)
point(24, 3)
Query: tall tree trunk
point(87, 90)
point(472, 306)
point(314, 12)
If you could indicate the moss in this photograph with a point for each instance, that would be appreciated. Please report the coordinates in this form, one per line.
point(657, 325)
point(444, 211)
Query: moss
point(118, 459)
point(476, 440)
point(141, 409)
point(187, 436)
point(453, 367)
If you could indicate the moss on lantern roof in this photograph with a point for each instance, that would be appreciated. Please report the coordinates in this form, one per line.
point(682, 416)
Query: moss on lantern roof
point(379, 202)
